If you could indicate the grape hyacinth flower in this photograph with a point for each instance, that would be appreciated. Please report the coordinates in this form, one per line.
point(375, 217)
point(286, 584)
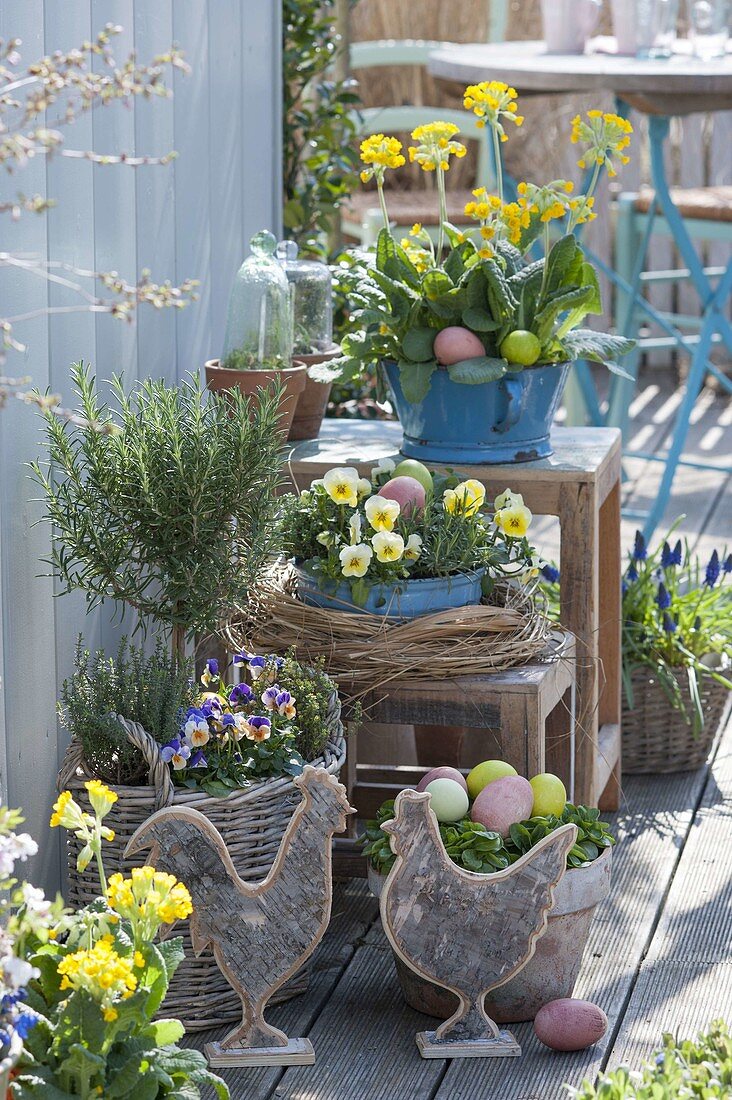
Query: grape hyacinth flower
point(550, 572)
point(631, 573)
point(640, 551)
point(668, 624)
point(712, 571)
point(727, 567)
point(663, 598)
point(667, 556)
point(677, 554)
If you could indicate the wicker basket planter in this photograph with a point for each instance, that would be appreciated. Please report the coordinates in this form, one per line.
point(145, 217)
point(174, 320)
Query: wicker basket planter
point(251, 822)
point(656, 737)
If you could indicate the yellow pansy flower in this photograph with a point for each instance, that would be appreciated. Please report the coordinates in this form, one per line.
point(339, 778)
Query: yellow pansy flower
point(388, 545)
point(413, 548)
point(465, 499)
point(382, 513)
point(341, 485)
point(514, 520)
point(506, 499)
point(355, 560)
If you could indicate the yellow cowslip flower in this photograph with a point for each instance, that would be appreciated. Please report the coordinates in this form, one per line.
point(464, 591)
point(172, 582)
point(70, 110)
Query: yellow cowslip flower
point(382, 513)
point(148, 898)
point(548, 202)
point(388, 545)
point(341, 485)
point(379, 153)
point(507, 499)
point(355, 560)
point(413, 548)
point(102, 973)
point(582, 210)
point(514, 520)
point(606, 136)
point(419, 257)
point(67, 813)
point(435, 146)
point(490, 101)
point(465, 499)
point(100, 796)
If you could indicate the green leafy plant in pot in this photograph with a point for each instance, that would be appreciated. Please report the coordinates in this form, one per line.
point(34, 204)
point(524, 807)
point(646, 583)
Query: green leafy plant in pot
point(472, 309)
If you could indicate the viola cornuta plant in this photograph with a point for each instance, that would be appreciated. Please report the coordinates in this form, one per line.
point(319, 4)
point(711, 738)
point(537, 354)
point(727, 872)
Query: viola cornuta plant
point(503, 311)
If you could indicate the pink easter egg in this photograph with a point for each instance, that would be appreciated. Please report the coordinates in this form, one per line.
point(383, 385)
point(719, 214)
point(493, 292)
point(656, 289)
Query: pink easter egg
point(455, 343)
point(504, 802)
point(442, 773)
point(567, 1024)
point(408, 493)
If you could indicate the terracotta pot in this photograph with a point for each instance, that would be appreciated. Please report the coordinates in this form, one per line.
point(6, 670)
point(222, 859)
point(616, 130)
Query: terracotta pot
point(313, 401)
point(552, 971)
point(249, 382)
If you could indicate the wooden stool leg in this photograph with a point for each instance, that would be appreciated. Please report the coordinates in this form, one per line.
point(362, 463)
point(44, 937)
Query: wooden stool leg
point(351, 774)
point(558, 733)
point(610, 640)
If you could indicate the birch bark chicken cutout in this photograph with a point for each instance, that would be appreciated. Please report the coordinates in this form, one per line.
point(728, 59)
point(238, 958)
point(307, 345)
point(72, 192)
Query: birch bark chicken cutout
point(467, 932)
point(261, 933)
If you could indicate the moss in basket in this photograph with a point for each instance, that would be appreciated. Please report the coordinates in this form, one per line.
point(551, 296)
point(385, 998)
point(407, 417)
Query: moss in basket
point(476, 848)
point(150, 690)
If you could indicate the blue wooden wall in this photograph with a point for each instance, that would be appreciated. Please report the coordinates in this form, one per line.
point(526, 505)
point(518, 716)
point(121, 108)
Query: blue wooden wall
point(190, 219)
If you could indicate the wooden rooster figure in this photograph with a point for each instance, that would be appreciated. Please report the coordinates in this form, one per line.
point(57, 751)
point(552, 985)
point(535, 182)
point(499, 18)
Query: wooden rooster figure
point(466, 932)
point(261, 933)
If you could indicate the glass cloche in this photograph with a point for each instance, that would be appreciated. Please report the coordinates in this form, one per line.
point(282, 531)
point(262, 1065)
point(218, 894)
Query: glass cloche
point(258, 323)
point(312, 301)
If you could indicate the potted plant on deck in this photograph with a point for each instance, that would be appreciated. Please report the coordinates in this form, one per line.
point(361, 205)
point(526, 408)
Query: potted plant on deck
point(677, 655)
point(257, 352)
point(472, 309)
point(395, 545)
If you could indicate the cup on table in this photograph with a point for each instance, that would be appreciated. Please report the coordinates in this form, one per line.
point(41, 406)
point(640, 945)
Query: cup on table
point(645, 28)
point(709, 27)
point(568, 24)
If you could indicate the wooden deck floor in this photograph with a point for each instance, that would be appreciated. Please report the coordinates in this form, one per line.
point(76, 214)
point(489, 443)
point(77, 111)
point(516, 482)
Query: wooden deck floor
point(659, 953)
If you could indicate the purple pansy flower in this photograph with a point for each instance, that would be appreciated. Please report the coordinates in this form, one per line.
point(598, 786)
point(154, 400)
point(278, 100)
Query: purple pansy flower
point(176, 752)
point(269, 696)
point(240, 693)
point(259, 728)
point(285, 704)
point(198, 760)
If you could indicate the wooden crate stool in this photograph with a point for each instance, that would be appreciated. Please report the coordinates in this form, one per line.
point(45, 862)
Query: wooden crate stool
point(579, 483)
point(529, 709)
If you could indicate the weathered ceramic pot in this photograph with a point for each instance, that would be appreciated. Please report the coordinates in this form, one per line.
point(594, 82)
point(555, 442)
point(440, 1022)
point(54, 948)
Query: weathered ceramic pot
point(251, 382)
point(552, 971)
point(407, 599)
point(313, 401)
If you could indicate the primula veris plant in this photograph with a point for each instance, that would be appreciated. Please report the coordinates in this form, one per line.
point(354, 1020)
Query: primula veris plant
point(480, 277)
point(677, 621)
point(342, 529)
point(99, 980)
point(254, 729)
point(170, 509)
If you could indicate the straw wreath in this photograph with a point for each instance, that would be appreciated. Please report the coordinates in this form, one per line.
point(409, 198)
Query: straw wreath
point(364, 651)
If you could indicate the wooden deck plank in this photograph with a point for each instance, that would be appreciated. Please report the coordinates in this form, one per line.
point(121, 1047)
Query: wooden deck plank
point(685, 980)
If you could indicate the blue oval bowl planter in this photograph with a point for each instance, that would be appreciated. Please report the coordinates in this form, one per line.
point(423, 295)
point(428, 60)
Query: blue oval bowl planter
point(492, 422)
point(407, 599)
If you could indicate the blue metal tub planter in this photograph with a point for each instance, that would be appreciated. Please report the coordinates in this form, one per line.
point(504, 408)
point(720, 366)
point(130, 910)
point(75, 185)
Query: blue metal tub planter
point(404, 599)
point(506, 420)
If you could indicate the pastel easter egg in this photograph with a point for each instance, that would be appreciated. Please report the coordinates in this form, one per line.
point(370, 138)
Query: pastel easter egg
point(408, 493)
point(550, 795)
point(442, 772)
point(485, 773)
point(455, 343)
point(410, 467)
point(567, 1024)
point(504, 802)
point(448, 800)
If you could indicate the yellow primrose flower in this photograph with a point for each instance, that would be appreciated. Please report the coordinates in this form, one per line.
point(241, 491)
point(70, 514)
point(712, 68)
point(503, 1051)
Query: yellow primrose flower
point(419, 257)
point(101, 972)
point(465, 499)
point(354, 528)
point(341, 485)
point(606, 136)
point(389, 546)
point(381, 513)
point(435, 146)
point(490, 101)
point(547, 202)
point(413, 548)
point(507, 499)
point(379, 153)
point(67, 813)
point(100, 796)
point(514, 520)
point(148, 898)
point(355, 560)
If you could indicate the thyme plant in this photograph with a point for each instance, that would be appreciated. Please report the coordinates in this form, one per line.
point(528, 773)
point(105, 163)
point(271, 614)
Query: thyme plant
point(169, 509)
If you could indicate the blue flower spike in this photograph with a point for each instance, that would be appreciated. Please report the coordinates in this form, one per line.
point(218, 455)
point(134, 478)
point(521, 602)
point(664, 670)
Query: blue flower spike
point(668, 624)
point(667, 556)
point(663, 598)
point(712, 571)
point(727, 567)
point(550, 572)
point(631, 573)
point(677, 557)
point(640, 550)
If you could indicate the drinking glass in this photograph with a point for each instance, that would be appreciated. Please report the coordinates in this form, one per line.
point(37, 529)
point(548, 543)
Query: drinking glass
point(709, 27)
point(656, 27)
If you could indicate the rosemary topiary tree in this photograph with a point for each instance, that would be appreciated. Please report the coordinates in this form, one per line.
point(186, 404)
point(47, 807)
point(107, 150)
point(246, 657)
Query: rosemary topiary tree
point(165, 502)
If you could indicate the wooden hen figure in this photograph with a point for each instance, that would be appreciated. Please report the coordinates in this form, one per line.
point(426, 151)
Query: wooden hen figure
point(261, 933)
point(466, 932)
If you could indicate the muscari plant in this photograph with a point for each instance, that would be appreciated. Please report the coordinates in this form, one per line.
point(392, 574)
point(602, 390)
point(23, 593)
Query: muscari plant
point(98, 981)
point(474, 848)
point(342, 530)
point(688, 1069)
point(523, 312)
point(164, 503)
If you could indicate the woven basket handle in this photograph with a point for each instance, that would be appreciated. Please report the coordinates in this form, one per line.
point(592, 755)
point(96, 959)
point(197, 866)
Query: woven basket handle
point(158, 775)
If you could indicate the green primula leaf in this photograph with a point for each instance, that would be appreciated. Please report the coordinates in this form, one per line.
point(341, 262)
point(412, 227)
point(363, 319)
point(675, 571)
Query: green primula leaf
point(435, 284)
point(166, 1032)
point(599, 347)
point(560, 302)
point(418, 343)
point(415, 378)
point(503, 304)
point(476, 289)
point(449, 306)
point(559, 262)
point(473, 372)
point(454, 265)
point(479, 319)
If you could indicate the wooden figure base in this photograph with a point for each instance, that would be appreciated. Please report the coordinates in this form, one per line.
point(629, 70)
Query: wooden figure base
point(503, 1046)
point(298, 1052)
